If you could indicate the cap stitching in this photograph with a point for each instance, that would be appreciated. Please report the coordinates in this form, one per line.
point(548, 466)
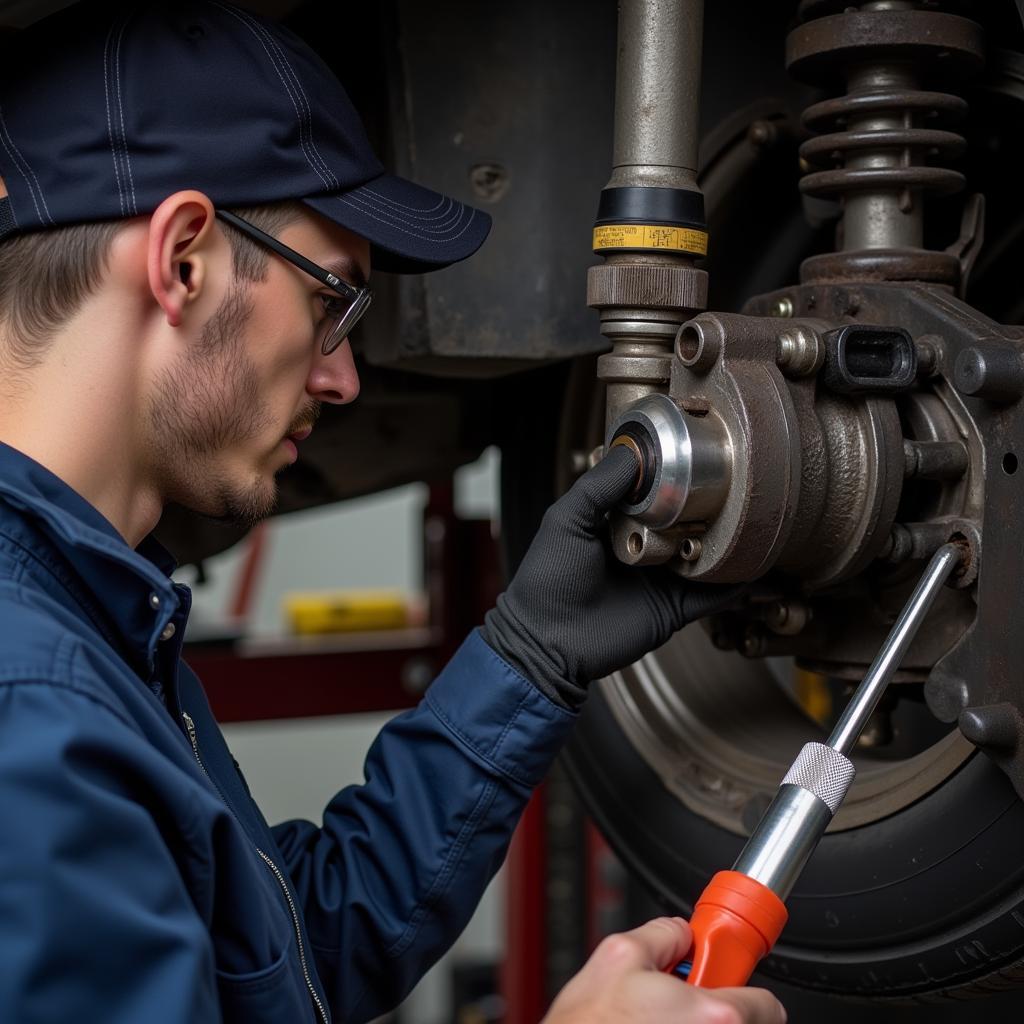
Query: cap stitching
point(391, 202)
point(438, 231)
point(379, 214)
point(395, 202)
point(4, 138)
point(263, 38)
point(287, 88)
point(110, 122)
point(275, 44)
point(28, 167)
point(425, 238)
point(416, 211)
point(266, 39)
point(457, 210)
point(120, 105)
point(453, 212)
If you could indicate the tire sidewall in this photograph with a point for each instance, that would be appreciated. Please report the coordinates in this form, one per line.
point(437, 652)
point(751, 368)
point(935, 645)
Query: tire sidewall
point(928, 899)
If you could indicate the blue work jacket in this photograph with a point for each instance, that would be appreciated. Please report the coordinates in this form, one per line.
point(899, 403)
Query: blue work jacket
point(139, 881)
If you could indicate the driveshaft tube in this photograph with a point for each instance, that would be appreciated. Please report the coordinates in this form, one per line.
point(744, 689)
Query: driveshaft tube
point(741, 913)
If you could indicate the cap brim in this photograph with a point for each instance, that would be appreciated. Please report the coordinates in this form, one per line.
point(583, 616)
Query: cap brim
point(411, 229)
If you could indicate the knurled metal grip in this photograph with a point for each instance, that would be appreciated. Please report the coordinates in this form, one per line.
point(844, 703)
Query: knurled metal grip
point(824, 772)
point(647, 286)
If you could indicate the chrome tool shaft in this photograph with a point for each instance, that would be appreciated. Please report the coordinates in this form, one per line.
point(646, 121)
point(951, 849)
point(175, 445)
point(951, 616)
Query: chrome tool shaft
point(821, 776)
point(865, 700)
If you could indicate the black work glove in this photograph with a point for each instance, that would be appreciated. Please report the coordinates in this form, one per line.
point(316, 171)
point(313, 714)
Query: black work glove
point(574, 613)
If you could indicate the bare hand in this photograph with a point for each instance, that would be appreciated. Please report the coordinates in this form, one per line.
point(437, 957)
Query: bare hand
point(624, 983)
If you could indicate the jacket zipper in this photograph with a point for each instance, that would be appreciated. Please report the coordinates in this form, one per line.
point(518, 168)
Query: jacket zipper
point(321, 1009)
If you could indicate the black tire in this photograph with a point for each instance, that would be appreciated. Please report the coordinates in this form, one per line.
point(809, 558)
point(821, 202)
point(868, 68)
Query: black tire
point(927, 904)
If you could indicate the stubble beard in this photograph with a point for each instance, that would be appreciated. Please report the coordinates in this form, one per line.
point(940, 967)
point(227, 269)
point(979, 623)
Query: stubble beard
point(207, 403)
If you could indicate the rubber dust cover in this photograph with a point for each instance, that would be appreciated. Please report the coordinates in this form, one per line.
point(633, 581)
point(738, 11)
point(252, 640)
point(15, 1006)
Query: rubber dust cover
point(735, 923)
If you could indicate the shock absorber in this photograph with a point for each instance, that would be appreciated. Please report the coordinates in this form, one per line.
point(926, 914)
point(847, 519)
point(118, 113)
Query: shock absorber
point(879, 136)
point(650, 226)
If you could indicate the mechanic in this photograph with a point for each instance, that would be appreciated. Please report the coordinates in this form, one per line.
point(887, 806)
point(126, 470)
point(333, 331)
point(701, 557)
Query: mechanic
point(189, 216)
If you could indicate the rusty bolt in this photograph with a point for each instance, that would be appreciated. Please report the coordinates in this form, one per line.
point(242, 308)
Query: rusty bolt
point(762, 133)
point(927, 354)
point(800, 352)
point(753, 643)
point(787, 618)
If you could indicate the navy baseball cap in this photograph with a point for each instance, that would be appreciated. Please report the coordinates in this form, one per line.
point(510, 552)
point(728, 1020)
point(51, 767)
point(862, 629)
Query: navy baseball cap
point(105, 110)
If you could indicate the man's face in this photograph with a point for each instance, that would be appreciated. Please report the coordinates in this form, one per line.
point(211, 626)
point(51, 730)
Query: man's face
point(226, 414)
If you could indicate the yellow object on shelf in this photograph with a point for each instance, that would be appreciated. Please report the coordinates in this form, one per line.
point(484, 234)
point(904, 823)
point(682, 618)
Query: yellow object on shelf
point(346, 611)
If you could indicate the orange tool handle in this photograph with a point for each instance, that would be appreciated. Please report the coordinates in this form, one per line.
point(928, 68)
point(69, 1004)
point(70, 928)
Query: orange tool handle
point(735, 923)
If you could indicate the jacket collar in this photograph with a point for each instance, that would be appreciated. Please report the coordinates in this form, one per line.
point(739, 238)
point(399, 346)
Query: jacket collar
point(133, 587)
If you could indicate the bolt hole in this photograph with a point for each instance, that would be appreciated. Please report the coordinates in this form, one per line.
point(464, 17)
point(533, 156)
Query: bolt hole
point(634, 543)
point(1009, 463)
point(489, 181)
point(690, 549)
point(688, 345)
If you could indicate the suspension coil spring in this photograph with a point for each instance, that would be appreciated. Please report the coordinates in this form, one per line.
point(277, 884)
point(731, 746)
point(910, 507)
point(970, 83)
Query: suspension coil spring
point(910, 141)
point(879, 135)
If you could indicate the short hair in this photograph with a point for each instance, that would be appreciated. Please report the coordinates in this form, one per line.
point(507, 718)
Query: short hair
point(45, 276)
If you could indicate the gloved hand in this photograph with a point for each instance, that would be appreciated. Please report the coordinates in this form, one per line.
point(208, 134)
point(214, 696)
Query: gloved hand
point(574, 613)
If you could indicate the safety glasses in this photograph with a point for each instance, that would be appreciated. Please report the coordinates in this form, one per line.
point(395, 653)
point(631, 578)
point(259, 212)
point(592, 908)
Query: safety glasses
point(341, 315)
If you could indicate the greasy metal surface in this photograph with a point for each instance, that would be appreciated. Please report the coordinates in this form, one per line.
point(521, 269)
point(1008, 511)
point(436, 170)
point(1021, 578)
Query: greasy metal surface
point(824, 146)
point(882, 133)
point(973, 640)
point(935, 460)
point(882, 265)
point(657, 93)
point(817, 50)
point(640, 363)
point(842, 109)
point(787, 422)
point(815, 477)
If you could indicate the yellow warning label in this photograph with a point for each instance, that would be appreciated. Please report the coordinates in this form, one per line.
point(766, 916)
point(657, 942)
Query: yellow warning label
point(651, 236)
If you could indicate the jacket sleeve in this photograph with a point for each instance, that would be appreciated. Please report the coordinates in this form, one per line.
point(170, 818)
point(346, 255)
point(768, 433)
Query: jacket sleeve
point(392, 877)
point(95, 924)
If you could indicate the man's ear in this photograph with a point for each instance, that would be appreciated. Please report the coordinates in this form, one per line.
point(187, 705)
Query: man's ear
point(178, 253)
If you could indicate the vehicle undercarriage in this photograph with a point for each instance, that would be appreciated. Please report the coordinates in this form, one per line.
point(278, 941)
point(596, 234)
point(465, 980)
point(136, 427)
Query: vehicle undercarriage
point(822, 370)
